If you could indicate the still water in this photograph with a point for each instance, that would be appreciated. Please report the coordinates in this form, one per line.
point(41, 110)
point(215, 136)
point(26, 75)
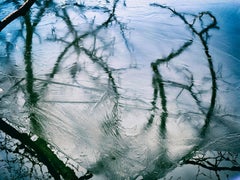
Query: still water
point(121, 90)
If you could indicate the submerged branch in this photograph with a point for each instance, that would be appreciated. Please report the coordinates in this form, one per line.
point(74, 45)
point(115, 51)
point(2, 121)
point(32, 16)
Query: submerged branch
point(43, 153)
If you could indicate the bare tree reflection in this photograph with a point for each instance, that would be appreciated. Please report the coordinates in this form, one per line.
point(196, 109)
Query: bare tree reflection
point(203, 35)
point(111, 125)
point(215, 162)
point(98, 47)
point(159, 86)
point(91, 44)
point(32, 96)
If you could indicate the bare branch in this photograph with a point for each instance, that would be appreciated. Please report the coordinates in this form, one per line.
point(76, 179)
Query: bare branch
point(14, 15)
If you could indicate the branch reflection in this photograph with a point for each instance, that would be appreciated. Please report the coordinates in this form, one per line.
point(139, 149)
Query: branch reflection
point(159, 84)
point(79, 94)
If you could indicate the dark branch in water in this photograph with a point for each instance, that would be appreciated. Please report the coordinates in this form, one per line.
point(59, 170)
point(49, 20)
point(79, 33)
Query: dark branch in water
point(174, 54)
point(31, 93)
point(191, 25)
point(203, 36)
point(14, 15)
point(158, 86)
point(159, 83)
point(213, 167)
point(79, 38)
point(43, 153)
point(215, 162)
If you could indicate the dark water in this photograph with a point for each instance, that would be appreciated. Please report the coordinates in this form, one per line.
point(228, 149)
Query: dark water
point(121, 90)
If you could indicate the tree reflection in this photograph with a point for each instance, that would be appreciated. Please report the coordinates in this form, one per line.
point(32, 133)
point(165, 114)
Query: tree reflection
point(56, 168)
point(203, 35)
point(159, 84)
point(99, 46)
point(90, 45)
point(215, 162)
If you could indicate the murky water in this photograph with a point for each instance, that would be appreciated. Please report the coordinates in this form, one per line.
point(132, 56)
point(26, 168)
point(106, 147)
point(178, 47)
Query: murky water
point(121, 90)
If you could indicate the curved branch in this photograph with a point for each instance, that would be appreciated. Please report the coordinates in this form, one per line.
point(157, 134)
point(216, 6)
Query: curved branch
point(14, 15)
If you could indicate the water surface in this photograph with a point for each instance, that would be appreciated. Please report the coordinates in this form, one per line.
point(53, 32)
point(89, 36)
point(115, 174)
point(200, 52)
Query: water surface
point(123, 89)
